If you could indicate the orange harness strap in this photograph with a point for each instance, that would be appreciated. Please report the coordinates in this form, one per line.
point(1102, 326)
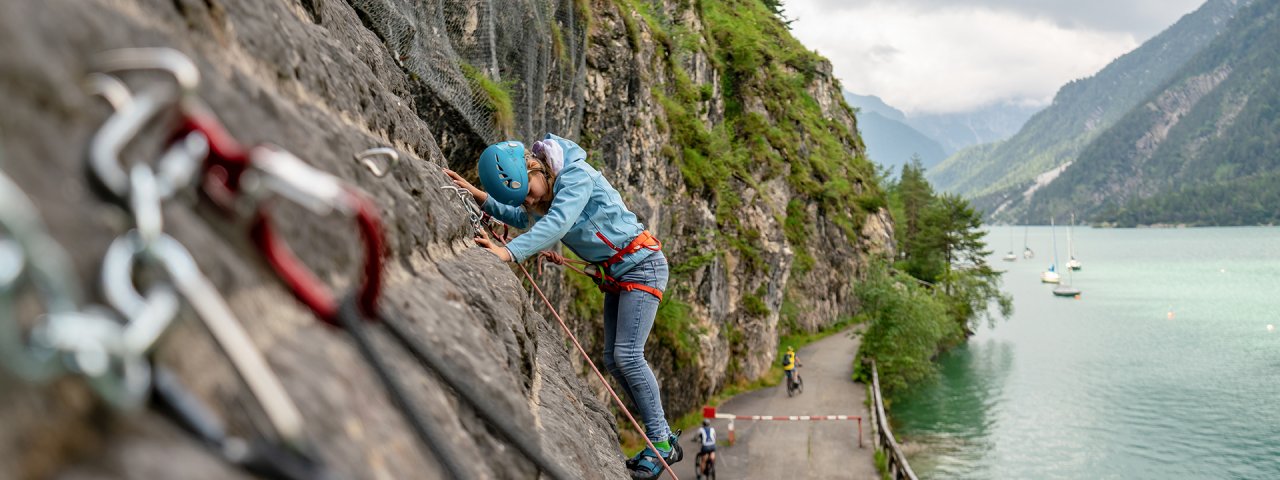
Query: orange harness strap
point(609, 284)
point(644, 240)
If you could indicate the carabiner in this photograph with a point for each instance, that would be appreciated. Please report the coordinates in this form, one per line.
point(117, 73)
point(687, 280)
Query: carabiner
point(234, 175)
point(366, 157)
point(469, 203)
point(132, 113)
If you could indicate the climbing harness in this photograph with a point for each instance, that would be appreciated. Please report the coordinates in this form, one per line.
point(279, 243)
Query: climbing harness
point(482, 224)
point(241, 180)
point(598, 271)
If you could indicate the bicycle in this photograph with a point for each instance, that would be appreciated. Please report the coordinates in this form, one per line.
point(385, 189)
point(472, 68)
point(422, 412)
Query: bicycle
point(706, 469)
point(795, 384)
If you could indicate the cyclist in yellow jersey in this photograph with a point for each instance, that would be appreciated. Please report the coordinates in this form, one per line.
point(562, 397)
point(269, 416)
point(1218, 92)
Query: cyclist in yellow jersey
point(789, 362)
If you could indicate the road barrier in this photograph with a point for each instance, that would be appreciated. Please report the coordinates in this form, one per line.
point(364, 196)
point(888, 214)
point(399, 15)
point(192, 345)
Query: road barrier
point(896, 461)
point(710, 412)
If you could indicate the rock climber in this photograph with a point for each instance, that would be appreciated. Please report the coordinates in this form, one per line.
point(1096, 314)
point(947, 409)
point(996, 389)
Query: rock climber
point(551, 190)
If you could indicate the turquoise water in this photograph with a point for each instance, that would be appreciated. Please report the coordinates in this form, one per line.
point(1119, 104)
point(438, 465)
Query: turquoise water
point(1164, 368)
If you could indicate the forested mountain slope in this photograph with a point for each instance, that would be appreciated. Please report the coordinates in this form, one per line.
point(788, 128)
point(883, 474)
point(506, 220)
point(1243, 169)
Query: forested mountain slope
point(1203, 149)
point(998, 177)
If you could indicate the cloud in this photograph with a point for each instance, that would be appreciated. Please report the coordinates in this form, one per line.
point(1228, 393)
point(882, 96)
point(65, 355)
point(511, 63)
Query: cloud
point(1142, 18)
point(959, 55)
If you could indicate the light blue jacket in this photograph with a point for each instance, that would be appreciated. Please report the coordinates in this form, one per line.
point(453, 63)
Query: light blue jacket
point(584, 204)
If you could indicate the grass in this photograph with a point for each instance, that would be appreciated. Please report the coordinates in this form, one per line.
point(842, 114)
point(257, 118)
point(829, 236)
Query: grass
point(673, 327)
point(882, 463)
point(499, 96)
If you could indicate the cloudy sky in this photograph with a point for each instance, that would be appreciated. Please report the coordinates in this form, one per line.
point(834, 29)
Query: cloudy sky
point(957, 55)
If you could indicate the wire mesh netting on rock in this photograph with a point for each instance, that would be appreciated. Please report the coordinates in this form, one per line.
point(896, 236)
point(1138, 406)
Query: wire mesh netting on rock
point(487, 70)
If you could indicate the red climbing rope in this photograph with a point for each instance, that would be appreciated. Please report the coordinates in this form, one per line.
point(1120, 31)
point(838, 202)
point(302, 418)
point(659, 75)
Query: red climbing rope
point(586, 357)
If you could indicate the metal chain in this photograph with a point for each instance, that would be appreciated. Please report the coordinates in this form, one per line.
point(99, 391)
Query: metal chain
point(92, 341)
point(469, 202)
point(148, 246)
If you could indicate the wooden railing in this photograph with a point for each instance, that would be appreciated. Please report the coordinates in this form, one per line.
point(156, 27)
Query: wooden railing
point(895, 460)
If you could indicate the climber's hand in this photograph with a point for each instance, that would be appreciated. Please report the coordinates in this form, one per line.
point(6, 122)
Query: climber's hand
point(554, 257)
point(462, 183)
point(482, 239)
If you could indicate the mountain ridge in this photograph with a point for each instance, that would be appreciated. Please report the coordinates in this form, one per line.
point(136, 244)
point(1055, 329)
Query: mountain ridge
point(1210, 131)
point(996, 176)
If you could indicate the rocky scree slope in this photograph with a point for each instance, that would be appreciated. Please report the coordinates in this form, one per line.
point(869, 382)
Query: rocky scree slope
point(727, 137)
point(310, 77)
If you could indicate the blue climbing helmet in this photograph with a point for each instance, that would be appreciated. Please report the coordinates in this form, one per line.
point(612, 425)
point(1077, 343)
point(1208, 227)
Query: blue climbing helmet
point(503, 172)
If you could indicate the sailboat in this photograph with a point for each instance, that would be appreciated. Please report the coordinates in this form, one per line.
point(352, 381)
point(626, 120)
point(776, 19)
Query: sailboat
point(1065, 289)
point(1051, 275)
point(1010, 257)
point(1026, 248)
point(1072, 264)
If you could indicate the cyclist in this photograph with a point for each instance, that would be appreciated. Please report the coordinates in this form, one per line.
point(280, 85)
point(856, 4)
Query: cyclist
point(707, 437)
point(789, 362)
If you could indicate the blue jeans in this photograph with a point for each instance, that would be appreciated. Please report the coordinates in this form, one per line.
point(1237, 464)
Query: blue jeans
point(628, 317)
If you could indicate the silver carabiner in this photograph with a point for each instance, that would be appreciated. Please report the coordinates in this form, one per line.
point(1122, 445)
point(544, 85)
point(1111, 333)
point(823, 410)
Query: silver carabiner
point(469, 203)
point(366, 157)
point(285, 174)
point(93, 344)
point(176, 168)
point(169, 60)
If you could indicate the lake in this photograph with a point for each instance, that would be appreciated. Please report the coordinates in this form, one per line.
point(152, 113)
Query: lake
point(1164, 368)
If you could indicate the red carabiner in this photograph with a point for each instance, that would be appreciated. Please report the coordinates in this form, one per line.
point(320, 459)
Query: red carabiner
point(225, 168)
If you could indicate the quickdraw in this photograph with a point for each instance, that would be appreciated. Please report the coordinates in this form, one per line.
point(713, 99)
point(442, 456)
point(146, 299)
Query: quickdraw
point(238, 179)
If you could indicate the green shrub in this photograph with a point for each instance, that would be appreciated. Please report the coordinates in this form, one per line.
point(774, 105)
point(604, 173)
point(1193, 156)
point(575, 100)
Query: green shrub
point(674, 327)
point(908, 325)
point(498, 95)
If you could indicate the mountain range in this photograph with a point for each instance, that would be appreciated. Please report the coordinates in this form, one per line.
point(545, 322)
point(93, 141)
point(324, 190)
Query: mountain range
point(1005, 178)
point(1203, 149)
point(894, 137)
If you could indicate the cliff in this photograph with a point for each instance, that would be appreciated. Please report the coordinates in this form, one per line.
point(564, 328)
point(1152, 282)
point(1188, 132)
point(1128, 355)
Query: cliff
point(322, 86)
point(726, 136)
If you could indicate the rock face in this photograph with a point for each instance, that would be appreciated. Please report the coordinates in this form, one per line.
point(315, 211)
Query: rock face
point(605, 73)
point(311, 78)
point(770, 246)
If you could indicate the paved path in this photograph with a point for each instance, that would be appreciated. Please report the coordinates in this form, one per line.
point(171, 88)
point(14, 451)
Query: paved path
point(797, 450)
